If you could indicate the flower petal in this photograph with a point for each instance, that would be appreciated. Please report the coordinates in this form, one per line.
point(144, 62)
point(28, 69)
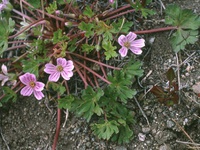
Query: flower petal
point(122, 40)
point(50, 68)
point(38, 95)
point(136, 50)
point(26, 91)
point(67, 75)
point(4, 81)
point(123, 51)
point(54, 76)
point(138, 43)
point(61, 61)
point(4, 69)
point(39, 86)
point(2, 77)
point(131, 37)
point(27, 78)
point(69, 66)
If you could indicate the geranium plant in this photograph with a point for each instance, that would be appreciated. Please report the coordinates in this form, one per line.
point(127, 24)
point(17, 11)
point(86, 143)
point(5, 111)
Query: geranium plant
point(78, 55)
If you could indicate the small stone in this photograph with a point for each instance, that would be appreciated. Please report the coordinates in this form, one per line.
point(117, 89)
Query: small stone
point(141, 137)
point(170, 123)
point(146, 129)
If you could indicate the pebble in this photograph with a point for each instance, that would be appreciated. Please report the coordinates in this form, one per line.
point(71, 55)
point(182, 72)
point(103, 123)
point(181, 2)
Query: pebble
point(141, 137)
point(164, 147)
point(170, 123)
point(146, 129)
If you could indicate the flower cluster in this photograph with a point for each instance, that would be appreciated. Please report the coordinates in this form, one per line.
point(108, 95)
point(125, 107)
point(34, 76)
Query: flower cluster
point(129, 42)
point(32, 86)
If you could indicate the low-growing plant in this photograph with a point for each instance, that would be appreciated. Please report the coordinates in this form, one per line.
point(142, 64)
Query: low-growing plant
point(77, 54)
point(167, 95)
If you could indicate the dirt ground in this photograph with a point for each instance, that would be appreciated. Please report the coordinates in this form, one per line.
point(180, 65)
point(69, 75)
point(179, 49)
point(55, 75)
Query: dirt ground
point(29, 124)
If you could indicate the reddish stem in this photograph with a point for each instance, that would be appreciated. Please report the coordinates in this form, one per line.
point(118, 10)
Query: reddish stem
point(97, 62)
point(93, 72)
point(57, 129)
point(155, 30)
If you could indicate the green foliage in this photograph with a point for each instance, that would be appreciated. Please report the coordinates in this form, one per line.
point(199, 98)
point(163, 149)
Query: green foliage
point(52, 8)
point(105, 129)
point(138, 7)
point(57, 87)
point(34, 3)
point(88, 28)
point(187, 23)
point(87, 48)
point(9, 95)
point(121, 25)
point(66, 102)
point(124, 135)
point(31, 65)
point(133, 68)
point(120, 86)
point(88, 12)
point(89, 106)
point(109, 49)
point(102, 28)
point(6, 27)
point(58, 36)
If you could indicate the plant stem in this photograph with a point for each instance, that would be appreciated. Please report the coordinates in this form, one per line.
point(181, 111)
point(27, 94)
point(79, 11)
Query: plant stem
point(97, 62)
point(57, 129)
point(93, 72)
point(156, 30)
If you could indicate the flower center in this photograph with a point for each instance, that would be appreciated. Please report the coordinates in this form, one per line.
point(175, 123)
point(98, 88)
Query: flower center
point(127, 44)
point(32, 84)
point(59, 68)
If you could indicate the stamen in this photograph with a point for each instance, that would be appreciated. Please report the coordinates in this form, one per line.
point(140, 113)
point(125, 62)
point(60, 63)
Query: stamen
point(127, 44)
point(32, 84)
point(59, 68)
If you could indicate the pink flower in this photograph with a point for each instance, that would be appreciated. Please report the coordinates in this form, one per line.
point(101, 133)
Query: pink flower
point(63, 68)
point(4, 77)
point(3, 4)
point(32, 86)
point(111, 1)
point(129, 42)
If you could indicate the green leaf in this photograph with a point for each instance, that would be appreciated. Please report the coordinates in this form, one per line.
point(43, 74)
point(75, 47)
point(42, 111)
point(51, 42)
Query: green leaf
point(133, 68)
point(109, 49)
point(88, 12)
point(34, 3)
point(182, 18)
point(87, 27)
point(119, 85)
point(181, 37)
point(6, 27)
point(89, 103)
point(58, 36)
point(106, 129)
point(187, 23)
point(9, 95)
point(87, 48)
point(52, 8)
point(124, 135)
point(57, 87)
point(32, 64)
point(65, 102)
point(122, 25)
